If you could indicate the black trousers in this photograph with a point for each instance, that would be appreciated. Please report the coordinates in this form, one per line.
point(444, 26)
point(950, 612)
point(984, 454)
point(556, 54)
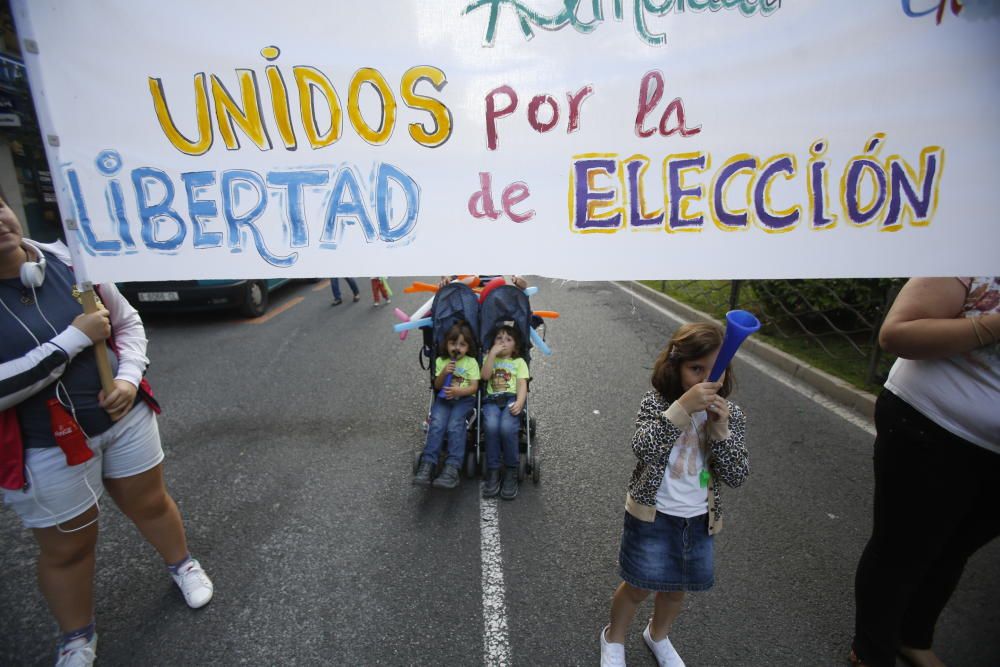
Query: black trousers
point(937, 500)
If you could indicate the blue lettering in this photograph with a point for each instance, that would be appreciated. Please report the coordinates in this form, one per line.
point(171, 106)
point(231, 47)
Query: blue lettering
point(90, 239)
point(293, 182)
point(150, 215)
point(200, 210)
point(116, 209)
point(340, 212)
point(233, 182)
point(386, 175)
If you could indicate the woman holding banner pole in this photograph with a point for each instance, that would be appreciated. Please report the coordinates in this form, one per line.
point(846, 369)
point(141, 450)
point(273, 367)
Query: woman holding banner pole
point(64, 440)
point(937, 462)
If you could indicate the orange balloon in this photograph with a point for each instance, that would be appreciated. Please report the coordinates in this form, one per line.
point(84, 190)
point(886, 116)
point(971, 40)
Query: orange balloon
point(420, 287)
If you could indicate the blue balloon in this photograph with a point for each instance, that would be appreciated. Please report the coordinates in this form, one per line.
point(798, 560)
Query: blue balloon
point(412, 324)
point(539, 343)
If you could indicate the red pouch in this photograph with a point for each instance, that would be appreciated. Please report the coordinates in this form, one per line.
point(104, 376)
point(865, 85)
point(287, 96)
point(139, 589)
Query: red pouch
point(11, 451)
point(68, 434)
point(146, 392)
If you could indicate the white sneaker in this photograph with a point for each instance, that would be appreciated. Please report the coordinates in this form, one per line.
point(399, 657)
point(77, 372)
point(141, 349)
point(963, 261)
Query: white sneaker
point(664, 652)
point(194, 584)
point(78, 653)
point(612, 654)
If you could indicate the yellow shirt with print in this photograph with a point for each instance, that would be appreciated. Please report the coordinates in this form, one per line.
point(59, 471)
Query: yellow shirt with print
point(466, 370)
point(506, 373)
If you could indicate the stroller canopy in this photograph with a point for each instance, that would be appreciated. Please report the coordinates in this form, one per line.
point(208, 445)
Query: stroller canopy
point(506, 304)
point(455, 302)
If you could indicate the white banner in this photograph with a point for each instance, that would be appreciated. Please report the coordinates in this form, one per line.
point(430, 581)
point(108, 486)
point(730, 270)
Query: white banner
point(600, 139)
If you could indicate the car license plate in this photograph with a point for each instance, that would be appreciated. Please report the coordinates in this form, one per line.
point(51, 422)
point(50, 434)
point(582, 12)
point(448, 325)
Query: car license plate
point(158, 296)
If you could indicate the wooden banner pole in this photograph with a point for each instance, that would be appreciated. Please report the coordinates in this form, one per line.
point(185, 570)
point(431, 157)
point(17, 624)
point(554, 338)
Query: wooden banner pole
point(89, 299)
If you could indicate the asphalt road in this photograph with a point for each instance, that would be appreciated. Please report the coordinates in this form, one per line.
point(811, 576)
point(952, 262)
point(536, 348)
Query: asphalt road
point(289, 447)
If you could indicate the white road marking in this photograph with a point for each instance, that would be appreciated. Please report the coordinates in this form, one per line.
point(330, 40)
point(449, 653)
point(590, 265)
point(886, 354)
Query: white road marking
point(773, 371)
point(496, 641)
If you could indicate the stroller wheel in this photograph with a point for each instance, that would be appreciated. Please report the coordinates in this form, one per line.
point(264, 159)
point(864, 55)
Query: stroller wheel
point(470, 463)
point(416, 461)
point(535, 473)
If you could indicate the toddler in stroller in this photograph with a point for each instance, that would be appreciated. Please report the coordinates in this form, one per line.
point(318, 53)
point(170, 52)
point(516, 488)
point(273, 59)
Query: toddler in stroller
point(505, 320)
point(454, 383)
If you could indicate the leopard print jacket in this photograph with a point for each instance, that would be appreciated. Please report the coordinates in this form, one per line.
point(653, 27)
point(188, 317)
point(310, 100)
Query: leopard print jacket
point(655, 436)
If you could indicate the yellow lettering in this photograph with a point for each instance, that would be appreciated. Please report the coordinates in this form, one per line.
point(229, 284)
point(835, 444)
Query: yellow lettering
point(248, 118)
point(307, 80)
point(441, 114)
point(387, 118)
point(179, 141)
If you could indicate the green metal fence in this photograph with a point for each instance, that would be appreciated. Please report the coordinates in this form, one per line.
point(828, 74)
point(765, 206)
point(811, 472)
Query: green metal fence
point(832, 323)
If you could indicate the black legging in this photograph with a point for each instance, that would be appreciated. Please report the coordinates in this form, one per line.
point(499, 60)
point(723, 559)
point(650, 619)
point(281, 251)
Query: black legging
point(937, 501)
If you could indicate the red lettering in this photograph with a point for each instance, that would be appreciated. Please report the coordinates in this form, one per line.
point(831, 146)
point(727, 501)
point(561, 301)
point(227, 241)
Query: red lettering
point(575, 102)
point(515, 193)
point(534, 105)
point(481, 201)
point(492, 113)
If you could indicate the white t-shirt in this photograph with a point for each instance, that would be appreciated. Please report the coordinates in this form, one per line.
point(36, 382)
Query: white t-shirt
point(960, 393)
point(681, 493)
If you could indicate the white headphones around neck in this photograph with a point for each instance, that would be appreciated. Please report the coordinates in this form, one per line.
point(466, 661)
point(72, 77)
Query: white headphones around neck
point(33, 273)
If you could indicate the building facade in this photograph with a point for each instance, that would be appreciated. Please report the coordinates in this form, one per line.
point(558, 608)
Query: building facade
point(25, 177)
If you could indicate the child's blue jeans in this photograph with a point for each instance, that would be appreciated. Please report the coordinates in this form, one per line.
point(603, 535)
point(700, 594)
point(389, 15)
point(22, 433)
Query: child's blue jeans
point(448, 420)
point(501, 430)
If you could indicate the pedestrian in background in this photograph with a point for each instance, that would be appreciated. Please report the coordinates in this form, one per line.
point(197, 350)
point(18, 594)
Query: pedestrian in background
point(335, 286)
point(380, 290)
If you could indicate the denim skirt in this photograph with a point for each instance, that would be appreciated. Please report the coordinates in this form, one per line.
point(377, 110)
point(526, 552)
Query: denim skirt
point(668, 554)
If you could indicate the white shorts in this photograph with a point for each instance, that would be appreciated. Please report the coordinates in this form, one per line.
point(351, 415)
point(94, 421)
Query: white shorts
point(58, 492)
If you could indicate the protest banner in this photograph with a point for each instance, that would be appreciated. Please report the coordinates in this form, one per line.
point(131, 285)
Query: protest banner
point(580, 140)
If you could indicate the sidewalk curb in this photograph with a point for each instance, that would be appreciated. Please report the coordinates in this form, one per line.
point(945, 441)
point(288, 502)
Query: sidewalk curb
point(833, 388)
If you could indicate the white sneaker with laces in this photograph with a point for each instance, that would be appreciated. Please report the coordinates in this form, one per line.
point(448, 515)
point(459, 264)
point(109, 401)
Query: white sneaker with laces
point(194, 584)
point(664, 652)
point(78, 653)
point(612, 654)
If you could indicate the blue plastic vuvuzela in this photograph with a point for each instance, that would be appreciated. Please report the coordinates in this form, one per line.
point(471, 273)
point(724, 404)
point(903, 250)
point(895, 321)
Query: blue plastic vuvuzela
point(739, 325)
point(447, 383)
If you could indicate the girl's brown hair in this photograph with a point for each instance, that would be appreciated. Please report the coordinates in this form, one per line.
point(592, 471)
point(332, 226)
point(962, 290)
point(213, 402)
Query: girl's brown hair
point(458, 329)
point(513, 333)
point(690, 341)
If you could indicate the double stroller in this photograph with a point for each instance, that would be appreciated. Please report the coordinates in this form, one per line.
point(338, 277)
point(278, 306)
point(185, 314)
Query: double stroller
point(506, 304)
